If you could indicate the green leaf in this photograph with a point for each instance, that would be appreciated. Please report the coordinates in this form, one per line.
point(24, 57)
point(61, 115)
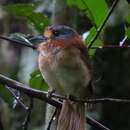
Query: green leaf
point(92, 51)
point(96, 10)
point(28, 11)
point(20, 9)
point(97, 42)
point(78, 3)
point(39, 21)
point(5, 94)
point(128, 32)
point(127, 17)
point(92, 33)
point(36, 81)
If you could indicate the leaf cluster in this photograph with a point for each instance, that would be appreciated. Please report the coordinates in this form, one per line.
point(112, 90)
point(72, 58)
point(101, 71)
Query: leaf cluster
point(28, 11)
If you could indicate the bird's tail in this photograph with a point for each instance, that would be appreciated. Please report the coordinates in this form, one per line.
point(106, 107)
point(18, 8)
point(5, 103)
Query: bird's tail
point(72, 116)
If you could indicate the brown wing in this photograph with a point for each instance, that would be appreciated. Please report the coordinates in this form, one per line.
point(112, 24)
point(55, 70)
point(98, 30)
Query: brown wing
point(88, 62)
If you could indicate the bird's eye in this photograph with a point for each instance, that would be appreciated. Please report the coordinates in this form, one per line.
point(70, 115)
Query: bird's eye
point(56, 33)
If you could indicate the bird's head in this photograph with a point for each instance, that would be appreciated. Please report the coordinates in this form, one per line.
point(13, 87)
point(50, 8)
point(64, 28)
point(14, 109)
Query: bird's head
point(58, 35)
point(57, 32)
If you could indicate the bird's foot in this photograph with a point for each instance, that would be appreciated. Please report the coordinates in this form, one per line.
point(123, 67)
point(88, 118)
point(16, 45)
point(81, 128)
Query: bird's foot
point(50, 92)
point(69, 97)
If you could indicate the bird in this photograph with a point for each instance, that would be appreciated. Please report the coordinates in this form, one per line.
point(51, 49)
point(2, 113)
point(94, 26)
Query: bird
point(66, 67)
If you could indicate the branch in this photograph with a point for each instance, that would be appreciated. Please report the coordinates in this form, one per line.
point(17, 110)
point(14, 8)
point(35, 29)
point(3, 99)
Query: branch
point(27, 90)
point(106, 100)
point(17, 98)
point(103, 23)
point(52, 118)
point(42, 96)
point(93, 101)
point(95, 123)
point(34, 47)
point(28, 117)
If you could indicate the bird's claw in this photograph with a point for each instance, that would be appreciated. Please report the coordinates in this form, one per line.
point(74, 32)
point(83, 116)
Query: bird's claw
point(50, 92)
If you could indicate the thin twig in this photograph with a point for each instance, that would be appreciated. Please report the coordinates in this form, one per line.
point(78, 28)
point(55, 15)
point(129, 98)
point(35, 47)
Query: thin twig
point(42, 96)
point(103, 23)
point(28, 117)
point(122, 42)
point(110, 46)
point(51, 120)
point(93, 101)
point(106, 100)
point(17, 42)
point(102, 127)
point(17, 98)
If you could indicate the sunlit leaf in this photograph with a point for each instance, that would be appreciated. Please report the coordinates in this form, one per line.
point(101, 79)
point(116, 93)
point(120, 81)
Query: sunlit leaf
point(36, 81)
point(96, 10)
point(97, 42)
point(92, 33)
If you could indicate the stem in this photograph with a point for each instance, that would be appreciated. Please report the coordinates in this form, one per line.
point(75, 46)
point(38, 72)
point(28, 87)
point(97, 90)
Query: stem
point(17, 98)
point(103, 23)
point(28, 116)
point(50, 122)
point(94, 101)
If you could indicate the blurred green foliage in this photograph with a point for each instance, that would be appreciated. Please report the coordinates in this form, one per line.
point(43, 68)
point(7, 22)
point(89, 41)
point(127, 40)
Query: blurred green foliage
point(36, 81)
point(39, 20)
point(92, 33)
point(127, 18)
point(128, 32)
point(95, 10)
point(5, 94)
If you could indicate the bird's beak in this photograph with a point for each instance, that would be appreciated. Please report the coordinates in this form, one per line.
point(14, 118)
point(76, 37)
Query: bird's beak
point(38, 39)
